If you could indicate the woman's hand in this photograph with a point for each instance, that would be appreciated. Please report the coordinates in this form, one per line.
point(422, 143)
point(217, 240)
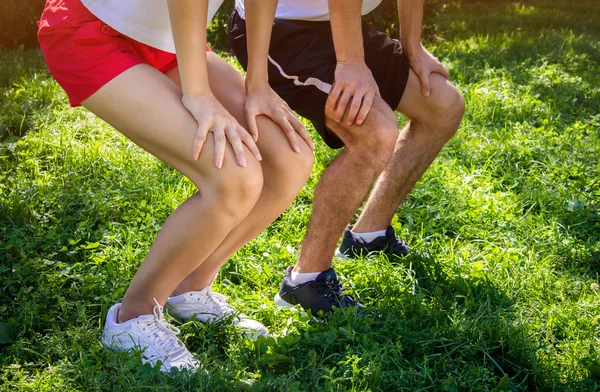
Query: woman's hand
point(262, 100)
point(213, 117)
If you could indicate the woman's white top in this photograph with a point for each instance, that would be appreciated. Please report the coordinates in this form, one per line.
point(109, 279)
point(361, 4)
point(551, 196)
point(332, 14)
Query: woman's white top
point(146, 21)
point(311, 10)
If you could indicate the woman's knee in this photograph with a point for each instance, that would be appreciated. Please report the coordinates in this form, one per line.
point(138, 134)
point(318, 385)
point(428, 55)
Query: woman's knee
point(302, 163)
point(233, 190)
point(287, 172)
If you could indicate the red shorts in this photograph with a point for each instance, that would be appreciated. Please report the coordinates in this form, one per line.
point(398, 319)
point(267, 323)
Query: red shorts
point(83, 53)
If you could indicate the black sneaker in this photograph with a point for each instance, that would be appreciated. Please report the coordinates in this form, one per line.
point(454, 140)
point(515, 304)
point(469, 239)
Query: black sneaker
point(322, 294)
point(389, 244)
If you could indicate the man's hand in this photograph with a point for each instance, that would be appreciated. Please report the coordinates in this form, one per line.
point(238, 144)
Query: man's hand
point(424, 64)
point(353, 91)
point(262, 100)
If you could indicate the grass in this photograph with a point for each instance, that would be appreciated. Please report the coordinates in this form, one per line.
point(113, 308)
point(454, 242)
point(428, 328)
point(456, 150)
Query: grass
point(510, 213)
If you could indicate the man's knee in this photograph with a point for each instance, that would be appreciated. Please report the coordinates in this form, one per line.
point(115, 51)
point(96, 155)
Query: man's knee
point(447, 105)
point(375, 139)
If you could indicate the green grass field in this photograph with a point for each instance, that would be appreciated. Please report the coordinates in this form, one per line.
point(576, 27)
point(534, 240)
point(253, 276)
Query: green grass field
point(509, 212)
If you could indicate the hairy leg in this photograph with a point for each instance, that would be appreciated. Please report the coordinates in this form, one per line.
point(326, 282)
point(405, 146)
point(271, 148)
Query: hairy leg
point(145, 106)
point(284, 174)
point(433, 121)
point(345, 183)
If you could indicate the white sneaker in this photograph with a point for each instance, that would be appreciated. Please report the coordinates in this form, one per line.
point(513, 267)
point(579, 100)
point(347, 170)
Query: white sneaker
point(151, 333)
point(208, 307)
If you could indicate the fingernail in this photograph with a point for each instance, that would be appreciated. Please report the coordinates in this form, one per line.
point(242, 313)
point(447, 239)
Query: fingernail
point(427, 94)
point(312, 146)
point(219, 163)
point(243, 162)
point(297, 149)
point(255, 137)
point(196, 155)
point(259, 157)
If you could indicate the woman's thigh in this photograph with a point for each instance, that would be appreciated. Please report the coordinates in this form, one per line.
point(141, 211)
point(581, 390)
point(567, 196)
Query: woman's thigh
point(144, 105)
point(227, 85)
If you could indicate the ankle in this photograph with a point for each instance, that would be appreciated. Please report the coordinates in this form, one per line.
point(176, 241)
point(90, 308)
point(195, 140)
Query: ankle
point(369, 227)
point(302, 267)
point(128, 312)
point(124, 316)
point(367, 237)
point(303, 277)
point(185, 287)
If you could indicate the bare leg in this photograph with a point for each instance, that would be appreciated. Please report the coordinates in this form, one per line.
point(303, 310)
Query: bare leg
point(284, 174)
point(150, 113)
point(346, 182)
point(434, 120)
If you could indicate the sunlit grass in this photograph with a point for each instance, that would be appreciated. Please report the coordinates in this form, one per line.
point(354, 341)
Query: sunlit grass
point(509, 213)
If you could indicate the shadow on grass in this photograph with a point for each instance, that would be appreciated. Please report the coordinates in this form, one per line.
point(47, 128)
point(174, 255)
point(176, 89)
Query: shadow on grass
point(26, 91)
point(459, 334)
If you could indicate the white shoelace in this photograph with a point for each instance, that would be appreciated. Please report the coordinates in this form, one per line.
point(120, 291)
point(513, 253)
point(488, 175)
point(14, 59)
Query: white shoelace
point(165, 335)
point(219, 302)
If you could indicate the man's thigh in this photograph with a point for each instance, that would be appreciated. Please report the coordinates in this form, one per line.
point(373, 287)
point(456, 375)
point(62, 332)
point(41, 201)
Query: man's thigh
point(380, 126)
point(441, 101)
point(302, 64)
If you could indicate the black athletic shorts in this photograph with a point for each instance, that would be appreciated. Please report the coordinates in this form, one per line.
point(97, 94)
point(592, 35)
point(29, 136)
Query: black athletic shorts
point(302, 65)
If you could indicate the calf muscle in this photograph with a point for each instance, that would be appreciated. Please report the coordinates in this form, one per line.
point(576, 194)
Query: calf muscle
point(345, 183)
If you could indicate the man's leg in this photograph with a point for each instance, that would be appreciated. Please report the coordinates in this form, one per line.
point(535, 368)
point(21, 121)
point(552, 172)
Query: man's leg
point(433, 121)
point(345, 183)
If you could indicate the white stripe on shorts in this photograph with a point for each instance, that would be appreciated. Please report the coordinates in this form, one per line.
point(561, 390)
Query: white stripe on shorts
point(325, 87)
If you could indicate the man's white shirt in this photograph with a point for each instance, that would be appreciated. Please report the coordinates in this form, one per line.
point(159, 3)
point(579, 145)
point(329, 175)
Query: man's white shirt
point(311, 10)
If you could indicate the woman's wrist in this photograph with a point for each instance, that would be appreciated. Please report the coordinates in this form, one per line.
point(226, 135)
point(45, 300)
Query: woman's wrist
point(257, 83)
point(197, 92)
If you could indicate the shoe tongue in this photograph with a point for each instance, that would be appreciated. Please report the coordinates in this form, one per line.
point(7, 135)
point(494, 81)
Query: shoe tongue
point(390, 233)
point(327, 275)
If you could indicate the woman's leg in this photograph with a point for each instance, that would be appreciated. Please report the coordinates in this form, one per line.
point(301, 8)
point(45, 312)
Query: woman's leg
point(284, 173)
point(145, 106)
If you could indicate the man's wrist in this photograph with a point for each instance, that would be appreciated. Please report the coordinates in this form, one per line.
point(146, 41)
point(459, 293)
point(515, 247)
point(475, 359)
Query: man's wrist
point(411, 47)
point(412, 50)
point(351, 61)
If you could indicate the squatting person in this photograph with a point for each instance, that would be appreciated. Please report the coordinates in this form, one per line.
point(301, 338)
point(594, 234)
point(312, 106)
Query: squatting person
point(117, 59)
point(349, 79)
